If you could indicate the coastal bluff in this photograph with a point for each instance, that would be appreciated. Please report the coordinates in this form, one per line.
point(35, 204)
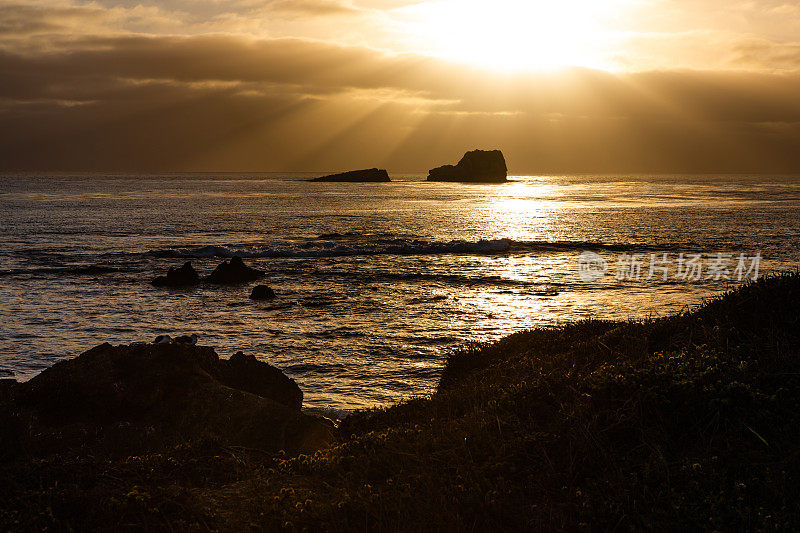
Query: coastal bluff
point(370, 175)
point(477, 166)
point(568, 428)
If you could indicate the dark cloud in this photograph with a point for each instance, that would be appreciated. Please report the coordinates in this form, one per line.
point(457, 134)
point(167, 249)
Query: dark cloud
point(210, 57)
point(216, 102)
point(18, 20)
point(312, 7)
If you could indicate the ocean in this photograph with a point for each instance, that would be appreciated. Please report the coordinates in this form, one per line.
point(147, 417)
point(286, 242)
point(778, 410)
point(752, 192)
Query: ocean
point(376, 283)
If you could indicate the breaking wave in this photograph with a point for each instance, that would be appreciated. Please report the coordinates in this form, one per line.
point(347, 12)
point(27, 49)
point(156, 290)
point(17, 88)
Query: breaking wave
point(336, 245)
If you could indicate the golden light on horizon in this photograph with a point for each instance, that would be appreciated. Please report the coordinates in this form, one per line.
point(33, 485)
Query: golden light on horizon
point(519, 35)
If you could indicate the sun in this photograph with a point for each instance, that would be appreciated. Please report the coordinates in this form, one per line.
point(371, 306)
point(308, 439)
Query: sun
point(518, 35)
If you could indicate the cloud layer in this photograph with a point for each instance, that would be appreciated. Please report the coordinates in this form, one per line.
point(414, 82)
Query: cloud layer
point(82, 90)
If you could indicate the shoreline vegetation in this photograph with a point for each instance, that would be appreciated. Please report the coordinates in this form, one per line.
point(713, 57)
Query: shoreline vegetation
point(684, 422)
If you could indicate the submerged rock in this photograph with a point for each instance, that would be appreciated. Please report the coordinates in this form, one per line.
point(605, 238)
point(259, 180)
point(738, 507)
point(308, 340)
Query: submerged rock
point(234, 271)
point(477, 166)
point(262, 292)
point(185, 276)
point(136, 399)
point(371, 175)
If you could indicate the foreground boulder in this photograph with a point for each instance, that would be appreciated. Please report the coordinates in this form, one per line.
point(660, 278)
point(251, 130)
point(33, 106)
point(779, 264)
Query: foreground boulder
point(477, 166)
point(371, 175)
point(185, 276)
point(234, 271)
point(262, 292)
point(247, 373)
point(145, 398)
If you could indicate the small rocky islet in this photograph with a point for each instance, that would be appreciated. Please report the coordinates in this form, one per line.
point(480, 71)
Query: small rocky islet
point(371, 175)
point(477, 166)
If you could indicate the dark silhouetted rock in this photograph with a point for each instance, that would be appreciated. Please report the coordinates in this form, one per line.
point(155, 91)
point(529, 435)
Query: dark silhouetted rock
point(247, 373)
point(185, 276)
point(477, 166)
point(372, 175)
point(6, 386)
point(262, 292)
point(234, 271)
point(144, 398)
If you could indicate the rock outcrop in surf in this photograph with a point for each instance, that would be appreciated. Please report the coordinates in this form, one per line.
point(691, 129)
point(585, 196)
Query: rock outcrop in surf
point(233, 272)
point(477, 166)
point(185, 276)
point(371, 175)
point(262, 292)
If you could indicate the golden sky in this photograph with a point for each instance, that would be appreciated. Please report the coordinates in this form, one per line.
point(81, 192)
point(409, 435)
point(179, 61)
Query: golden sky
point(254, 85)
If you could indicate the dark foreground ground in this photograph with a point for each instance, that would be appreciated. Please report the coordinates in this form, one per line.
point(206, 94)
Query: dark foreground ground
point(690, 422)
